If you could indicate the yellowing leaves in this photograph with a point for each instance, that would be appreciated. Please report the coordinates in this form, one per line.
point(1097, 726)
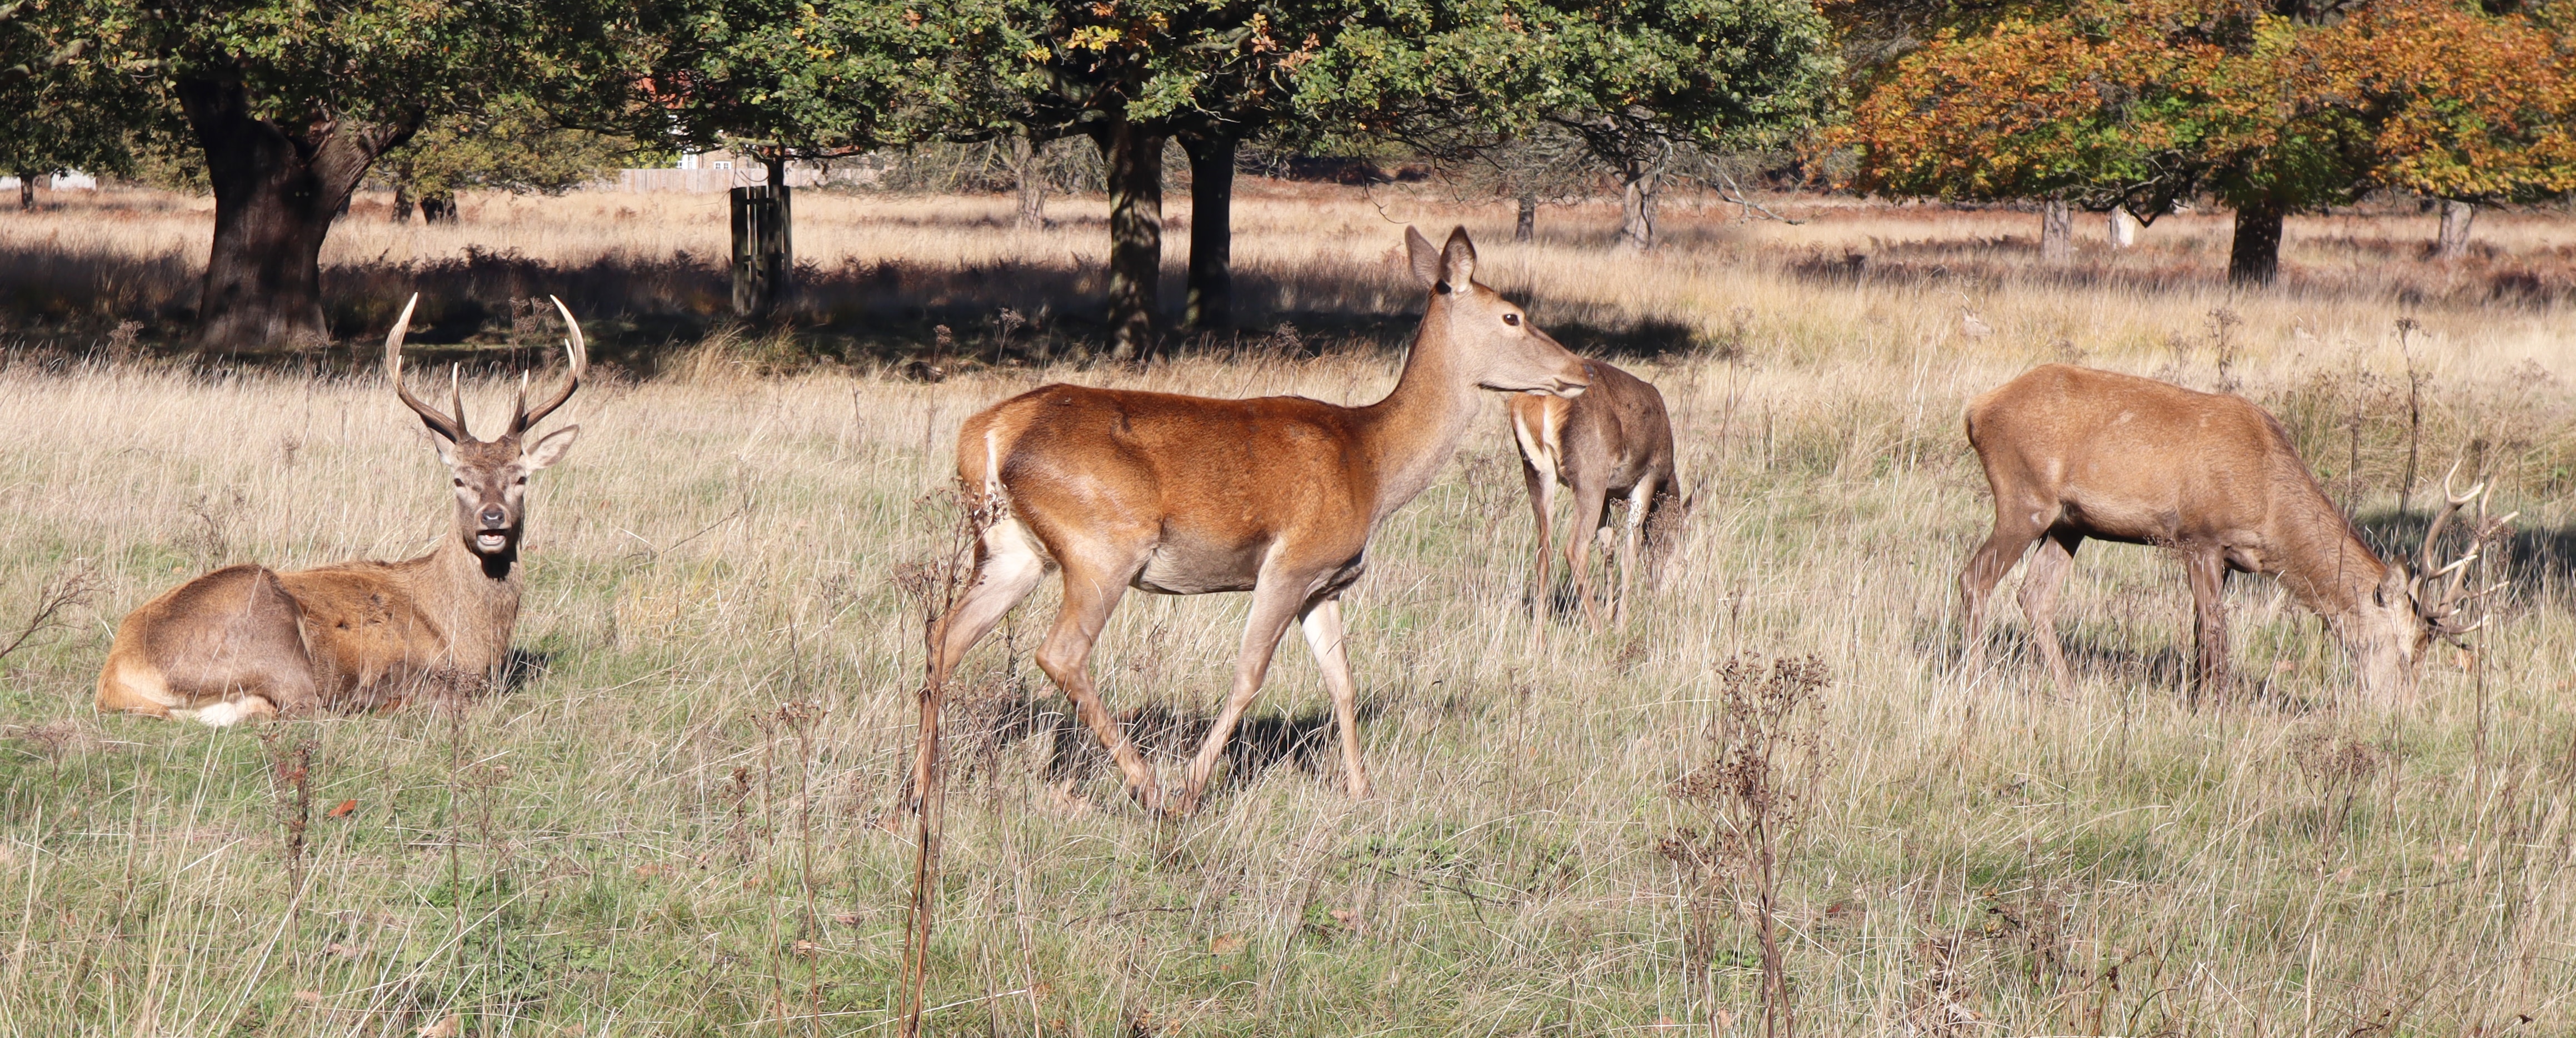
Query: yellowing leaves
point(1093, 38)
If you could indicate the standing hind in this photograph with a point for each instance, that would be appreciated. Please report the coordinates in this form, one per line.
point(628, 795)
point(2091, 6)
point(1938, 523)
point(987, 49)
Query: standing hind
point(1184, 495)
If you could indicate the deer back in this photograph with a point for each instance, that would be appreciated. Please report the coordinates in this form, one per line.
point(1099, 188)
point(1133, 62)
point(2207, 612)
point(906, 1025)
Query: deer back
point(1617, 431)
point(2122, 458)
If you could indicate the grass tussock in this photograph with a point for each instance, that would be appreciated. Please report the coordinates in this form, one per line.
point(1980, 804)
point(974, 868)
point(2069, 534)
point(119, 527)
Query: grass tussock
point(674, 822)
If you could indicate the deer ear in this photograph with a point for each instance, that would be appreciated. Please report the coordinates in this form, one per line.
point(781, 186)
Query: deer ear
point(548, 449)
point(1425, 259)
point(1458, 260)
point(446, 450)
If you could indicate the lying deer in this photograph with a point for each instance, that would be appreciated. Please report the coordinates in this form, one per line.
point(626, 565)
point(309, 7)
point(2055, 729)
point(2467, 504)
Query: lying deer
point(1614, 439)
point(1183, 495)
point(245, 641)
point(2072, 453)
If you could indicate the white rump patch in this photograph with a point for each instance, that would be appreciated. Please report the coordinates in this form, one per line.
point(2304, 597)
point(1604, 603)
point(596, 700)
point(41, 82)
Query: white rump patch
point(220, 715)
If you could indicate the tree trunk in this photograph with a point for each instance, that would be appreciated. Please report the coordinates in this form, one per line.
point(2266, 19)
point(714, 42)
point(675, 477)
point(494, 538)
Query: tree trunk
point(2454, 240)
point(2056, 231)
point(402, 203)
point(27, 192)
point(438, 207)
point(2124, 228)
point(1135, 158)
point(1032, 186)
point(1637, 207)
point(276, 191)
point(2255, 256)
point(1210, 305)
point(1525, 225)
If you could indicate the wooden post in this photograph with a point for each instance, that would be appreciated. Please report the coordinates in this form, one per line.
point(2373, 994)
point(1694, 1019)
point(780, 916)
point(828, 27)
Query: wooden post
point(762, 256)
point(2124, 228)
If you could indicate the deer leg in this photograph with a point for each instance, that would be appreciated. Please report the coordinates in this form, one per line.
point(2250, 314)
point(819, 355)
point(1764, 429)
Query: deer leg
point(1323, 622)
point(1089, 596)
point(1007, 571)
point(2208, 571)
point(1542, 498)
point(1590, 502)
point(1986, 566)
point(1275, 602)
point(2040, 582)
point(1640, 498)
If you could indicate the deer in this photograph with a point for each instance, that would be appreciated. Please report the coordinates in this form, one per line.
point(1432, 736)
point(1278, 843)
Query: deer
point(1184, 495)
point(1615, 439)
point(247, 641)
point(2072, 453)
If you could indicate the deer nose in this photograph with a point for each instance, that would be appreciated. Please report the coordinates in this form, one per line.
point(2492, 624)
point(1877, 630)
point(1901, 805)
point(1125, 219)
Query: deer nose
point(494, 518)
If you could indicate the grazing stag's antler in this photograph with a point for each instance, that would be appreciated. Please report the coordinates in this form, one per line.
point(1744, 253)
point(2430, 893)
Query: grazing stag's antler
point(520, 417)
point(2442, 610)
point(452, 428)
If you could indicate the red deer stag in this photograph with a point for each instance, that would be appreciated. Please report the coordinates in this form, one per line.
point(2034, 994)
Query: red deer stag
point(1183, 495)
point(2072, 453)
point(247, 640)
point(1614, 439)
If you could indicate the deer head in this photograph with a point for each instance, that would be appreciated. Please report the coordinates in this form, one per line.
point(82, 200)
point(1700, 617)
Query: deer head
point(2414, 606)
point(490, 477)
point(1495, 339)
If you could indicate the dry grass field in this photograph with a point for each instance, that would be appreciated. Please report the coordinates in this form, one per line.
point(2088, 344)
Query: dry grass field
point(670, 825)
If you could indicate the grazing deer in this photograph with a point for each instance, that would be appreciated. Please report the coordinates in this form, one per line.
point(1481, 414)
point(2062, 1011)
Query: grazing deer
point(1184, 495)
point(1614, 439)
point(244, 641)
point(2072, 453)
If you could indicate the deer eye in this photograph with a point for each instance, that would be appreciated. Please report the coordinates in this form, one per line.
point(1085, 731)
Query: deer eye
point(460, 481)
point(522, 480)
point(1512, 319)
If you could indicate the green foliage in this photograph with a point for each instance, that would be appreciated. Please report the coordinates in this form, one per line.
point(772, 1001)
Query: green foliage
point(513, 147)
point(376, 61)
point(57, 104)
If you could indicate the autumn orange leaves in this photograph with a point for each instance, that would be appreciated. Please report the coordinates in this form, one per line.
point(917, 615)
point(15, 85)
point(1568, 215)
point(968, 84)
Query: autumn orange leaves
point(2143, 104)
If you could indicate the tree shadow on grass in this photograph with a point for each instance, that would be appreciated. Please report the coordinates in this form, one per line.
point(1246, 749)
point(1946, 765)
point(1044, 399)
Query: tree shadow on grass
point(642, 313)
point(2532, 559)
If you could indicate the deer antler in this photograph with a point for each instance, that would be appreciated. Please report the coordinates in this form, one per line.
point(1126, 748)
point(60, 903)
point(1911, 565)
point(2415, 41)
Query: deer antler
point(452, 428)
point(521, 418)
point(2442, 610)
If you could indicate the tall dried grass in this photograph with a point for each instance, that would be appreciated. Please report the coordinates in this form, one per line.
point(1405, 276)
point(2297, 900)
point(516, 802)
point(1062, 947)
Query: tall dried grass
point(671, 826)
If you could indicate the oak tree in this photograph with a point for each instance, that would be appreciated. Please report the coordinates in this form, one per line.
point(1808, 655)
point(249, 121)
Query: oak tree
point(292, 102)
point(2141, 104)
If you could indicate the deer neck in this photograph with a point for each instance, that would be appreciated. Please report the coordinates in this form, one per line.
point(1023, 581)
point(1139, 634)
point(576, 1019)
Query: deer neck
point(2327, 568)
point(1412, 433)
point(475, 597)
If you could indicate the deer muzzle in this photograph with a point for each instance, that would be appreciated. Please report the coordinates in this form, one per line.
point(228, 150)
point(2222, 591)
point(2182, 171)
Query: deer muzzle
point(495, 533)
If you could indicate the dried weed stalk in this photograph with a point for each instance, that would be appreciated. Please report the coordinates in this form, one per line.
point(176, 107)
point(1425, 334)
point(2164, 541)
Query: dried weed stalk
point(290, 759)
point(933, 586)
point(2337, 766)
point(74, 587)
point(1756, 790)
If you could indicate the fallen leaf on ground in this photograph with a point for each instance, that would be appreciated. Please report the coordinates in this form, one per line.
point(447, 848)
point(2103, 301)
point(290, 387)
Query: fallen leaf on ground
point(1225, 944)
point(343, 810)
